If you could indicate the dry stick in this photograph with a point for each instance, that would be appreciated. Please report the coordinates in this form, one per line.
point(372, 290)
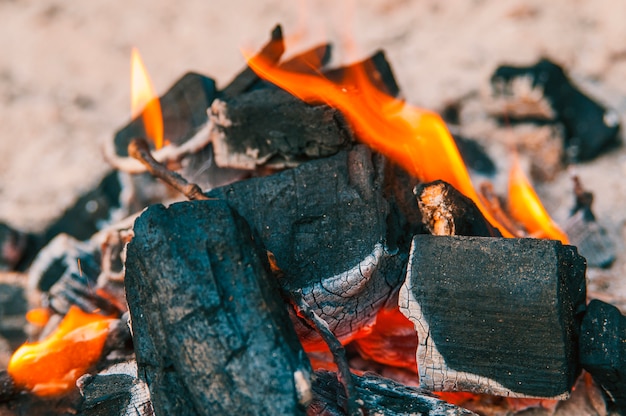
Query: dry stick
point(339, 353)
point(139, 149)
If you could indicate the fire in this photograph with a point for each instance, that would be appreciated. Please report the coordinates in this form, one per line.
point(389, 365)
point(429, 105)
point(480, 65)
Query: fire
point(416, 139)
point(144, 101)
point(52, 366)
point(526, 208)
point(38, 316)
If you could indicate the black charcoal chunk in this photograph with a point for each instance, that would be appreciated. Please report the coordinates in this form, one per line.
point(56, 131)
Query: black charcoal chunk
point(327, 224)
point(247, 79)
point(184, 107)
point(603, 352)
point(496, 316)
point(590, 127)
point(211, 332)
point(273, 128)
point(376, 67)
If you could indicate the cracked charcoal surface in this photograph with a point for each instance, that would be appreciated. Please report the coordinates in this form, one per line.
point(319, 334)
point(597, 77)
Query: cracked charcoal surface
point(326, 223)
point(204, 308)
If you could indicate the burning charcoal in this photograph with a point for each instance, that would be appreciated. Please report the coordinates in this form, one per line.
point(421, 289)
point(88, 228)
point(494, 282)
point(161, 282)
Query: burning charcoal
point(115, 391)
point(495, 316)
point(272, 127)
point(474, 155)
point(211, 332)
point(380, 396)
point(376, 67)
point(446, 211)
point(184, 107)
point(310, 61)
point(590, 128)
point(602, 352)
point(245, 80)
point(328, 224)
point(584, 232)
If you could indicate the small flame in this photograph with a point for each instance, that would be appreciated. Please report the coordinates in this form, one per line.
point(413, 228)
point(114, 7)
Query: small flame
point(38, 316)
point(526, 208)
point(52, 366)
point(144, 100)
point(416, 139)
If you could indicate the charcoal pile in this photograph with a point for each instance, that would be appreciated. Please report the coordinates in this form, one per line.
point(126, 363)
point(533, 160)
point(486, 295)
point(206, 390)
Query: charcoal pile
point(307, 262)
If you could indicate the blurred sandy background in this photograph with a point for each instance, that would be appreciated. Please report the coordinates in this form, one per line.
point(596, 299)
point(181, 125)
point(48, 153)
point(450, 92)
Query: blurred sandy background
point(64, 65)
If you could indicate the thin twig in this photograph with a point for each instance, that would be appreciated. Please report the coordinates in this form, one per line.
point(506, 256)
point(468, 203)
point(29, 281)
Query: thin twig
point(339, 353)
point(139, 149)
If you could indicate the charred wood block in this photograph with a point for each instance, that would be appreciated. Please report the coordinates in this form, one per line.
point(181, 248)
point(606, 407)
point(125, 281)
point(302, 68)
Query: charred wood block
point(495, 316)
point(380, 396)
point(247, 78)
point(603, 352)
point(272, 127)
point(184, 107)
point(446, 211)
point(377, 69)
point(211, 332)
point(590, 128)
point(326, 222)
point(310, 61)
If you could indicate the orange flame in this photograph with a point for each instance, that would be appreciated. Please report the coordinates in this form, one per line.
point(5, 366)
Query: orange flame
point(38, 316)
point(52, 366)
point(144, 100)
point(416, 139)
point(526, 208)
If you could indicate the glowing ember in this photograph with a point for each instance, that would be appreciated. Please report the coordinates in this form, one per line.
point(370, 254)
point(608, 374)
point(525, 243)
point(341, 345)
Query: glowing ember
point(145, 101)
point(392, 341)
point(526, 208)
point(39, 316)
point(416, 139)
point(52, 366)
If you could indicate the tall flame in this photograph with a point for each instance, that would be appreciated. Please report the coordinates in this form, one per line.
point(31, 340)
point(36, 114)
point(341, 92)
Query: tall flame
point(144, 100)
point(526, 208)
point(52, 366)
point(416, 139)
